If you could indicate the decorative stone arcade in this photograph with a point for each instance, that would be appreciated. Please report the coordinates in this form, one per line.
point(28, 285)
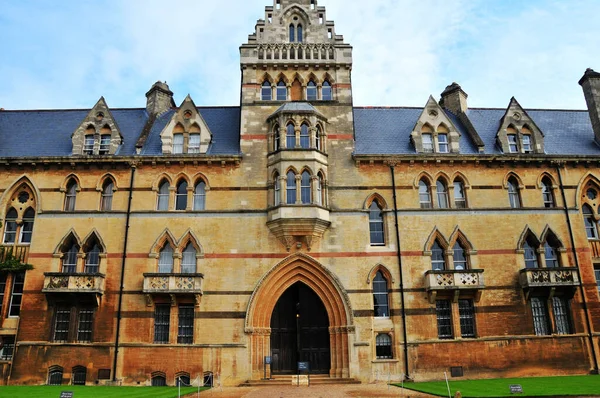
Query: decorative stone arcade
point(300, 268)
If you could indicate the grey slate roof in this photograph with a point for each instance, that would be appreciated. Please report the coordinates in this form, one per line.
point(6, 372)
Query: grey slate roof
point(387, 130)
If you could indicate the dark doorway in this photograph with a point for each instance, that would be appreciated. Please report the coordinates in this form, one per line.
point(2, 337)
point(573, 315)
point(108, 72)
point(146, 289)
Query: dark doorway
point(299, 331)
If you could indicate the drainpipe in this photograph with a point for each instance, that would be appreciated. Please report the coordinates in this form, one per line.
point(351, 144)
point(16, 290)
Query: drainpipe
point(585, 307)
point(406, 376)
point(128, 217)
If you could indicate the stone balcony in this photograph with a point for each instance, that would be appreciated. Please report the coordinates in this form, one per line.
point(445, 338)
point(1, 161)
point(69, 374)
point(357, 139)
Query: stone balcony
point(173, 285)
point(548, 280)
point(74, 284)
point(454, 284)
point(298, 224)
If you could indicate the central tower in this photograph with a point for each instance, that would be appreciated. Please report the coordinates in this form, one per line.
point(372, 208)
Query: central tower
point(296, 105)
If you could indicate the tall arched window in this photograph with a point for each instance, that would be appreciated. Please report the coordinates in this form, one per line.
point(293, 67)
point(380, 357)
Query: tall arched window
point(281, 91)
point(290, 188)
point(276, 139)
point(590, 223)
point(376, 224)
point(165, 260)
point(188, 259)
point(27, 227)
point(69, 260)
point(513, 193)
point(319, 194)
point(459, 256)
point(318, 138)
point(10, 226)
point(530, 253)
point(276, 190)
point(266, 92)
point(326, 93)
point(162, 202)
point(200, 196)
point(92, 260)
point(380, 295)
point(547, 194)
point(292, 33)
point(460, 198)
point(311, 91)
point(305, 191)
point(304, 136)
point(290, 136)
point(107, 195)
point(551, 251)
point(299, 33)
point(442, 194)
point(181, 196)
point(71, 196)
point(438, 260)
point(424, 195)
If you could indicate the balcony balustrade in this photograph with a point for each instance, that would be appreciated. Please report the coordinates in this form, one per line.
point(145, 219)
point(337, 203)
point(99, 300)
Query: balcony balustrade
point(305, 52)
point(74, 284)
point(173, 285)
point(454, 283)
point(549, 279)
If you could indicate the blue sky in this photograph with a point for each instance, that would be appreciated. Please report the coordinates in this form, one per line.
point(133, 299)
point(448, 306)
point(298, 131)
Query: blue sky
point(66, 54)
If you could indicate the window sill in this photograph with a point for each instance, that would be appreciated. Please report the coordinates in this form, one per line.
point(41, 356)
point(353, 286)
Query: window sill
point(391, 360)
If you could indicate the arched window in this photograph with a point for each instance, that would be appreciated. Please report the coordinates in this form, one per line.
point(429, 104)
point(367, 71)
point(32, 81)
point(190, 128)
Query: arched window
point(107, 195)
point(266, 92)
point(27, 227)
point(319, 195)
point(304, 136)
point(159, 380)
point(512, 139)
point(547, 194)
point(88, 144)
point(383, 346)
point(438, 260)
point(92, 260)
point(281, 91)
point(188, 259)
point(200, 196)
point(79, 374)
point(424, 195)
point(590, 223)
point(182, 379)
point(55, 376)
point(70, 196)
point(104, 144)
point(530, 253)
point(442, 194)
point(276, 139)
point(299, 32)
point(162, 202)
point(290, 136)
point(165, 260)
point(311, 91)
point(181, 196)
point(276, 190)
point(326, 93)
point(513, 193)
point(292, 33)
point(10, 226)
point(305, 191)
point(551, 256)
point(69, 260)
point(318, 138)
point(376, 224)
point(290, 188)
point(380, 295)
point(460, 198)
point(459, 256)
point(427, 138)
point(442, 138)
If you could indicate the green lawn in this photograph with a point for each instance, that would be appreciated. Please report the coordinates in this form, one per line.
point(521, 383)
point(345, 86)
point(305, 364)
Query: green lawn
point(532, 386)
point(94, 391)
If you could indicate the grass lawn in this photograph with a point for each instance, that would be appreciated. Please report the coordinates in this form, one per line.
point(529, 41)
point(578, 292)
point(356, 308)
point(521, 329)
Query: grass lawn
point(94, 391)
point(532, 386)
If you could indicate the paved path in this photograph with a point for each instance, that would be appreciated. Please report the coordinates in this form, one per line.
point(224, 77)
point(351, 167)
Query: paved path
point(319, 391)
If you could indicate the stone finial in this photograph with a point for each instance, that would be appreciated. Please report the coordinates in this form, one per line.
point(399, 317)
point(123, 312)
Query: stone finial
point(454, 99)
point(159, 99)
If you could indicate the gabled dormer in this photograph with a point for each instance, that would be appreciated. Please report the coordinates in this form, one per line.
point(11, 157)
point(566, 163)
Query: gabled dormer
point(98, 133)
point(518, 133)
point(434, 132)
point(186, 132)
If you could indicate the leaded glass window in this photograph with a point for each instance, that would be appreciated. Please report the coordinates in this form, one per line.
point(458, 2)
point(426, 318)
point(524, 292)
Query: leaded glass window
point(376, 224)
point(8, 347)
point(380, 295)
point(292, 33)
point(443, 313)
point(185, 330)
point(194, 143)
point(162, 315)
point(383, 346)
point(438, 260)
point(299, 37)
point(540, 317)
point(547, 193)
point(466, 311)
point(281, 91)
point(562, 321)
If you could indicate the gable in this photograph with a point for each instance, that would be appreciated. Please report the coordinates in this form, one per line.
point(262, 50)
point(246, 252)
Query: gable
point(518, 133)
point(435, 123)
point(98, 133)
point(186, 121)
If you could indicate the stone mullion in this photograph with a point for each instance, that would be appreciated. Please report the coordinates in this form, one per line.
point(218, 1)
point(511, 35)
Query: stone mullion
point(314, 180)
point(282, 184)
point(455, 320)
point(177, 261)
point(172, 190)
point(313, 137)
point(298, 189)
point(297, 135)
point(190, 195)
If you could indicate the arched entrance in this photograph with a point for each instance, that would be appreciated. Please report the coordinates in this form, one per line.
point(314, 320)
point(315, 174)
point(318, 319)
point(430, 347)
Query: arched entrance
point(299, 331)
point(273, 288)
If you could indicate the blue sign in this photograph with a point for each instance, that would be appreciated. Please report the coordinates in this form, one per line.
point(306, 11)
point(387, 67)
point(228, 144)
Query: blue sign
point(267, 360)
point(302, 366)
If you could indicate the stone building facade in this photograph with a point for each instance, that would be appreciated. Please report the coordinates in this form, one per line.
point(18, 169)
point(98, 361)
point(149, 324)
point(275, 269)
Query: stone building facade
point(176, 241)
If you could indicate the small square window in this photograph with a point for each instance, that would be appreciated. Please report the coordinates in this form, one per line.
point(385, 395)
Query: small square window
point(383, 346)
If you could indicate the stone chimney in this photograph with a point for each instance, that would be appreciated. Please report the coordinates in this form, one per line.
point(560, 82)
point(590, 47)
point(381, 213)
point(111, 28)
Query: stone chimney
point(590, 82)
point(159, 99)
point(454, 99)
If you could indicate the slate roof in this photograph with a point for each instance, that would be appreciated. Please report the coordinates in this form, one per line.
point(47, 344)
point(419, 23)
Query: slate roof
point(387, 130)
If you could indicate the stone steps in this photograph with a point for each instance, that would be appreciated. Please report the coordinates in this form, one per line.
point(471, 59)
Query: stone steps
point(286, 380)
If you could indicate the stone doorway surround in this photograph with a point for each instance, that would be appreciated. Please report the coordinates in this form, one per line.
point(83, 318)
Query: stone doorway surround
point(299, 267)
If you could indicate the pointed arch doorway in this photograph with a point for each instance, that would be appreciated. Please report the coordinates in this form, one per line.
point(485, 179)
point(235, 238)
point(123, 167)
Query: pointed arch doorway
point(299, 331)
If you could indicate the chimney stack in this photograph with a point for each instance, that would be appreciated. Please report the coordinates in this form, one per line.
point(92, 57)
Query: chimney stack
point(590, 82)
point(159, 99)
point(454, 99)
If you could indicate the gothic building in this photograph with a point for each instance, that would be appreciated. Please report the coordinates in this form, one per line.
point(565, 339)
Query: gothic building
point(175, 240)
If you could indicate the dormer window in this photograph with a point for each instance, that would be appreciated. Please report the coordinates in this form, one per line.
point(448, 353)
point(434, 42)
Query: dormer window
point(443, 143)
point(427, 142)
point(104, 144)
point(518, 132)
point(194, 144)
point(88, 145)
point(512, 141)
point(527, 143)
point(177, 143)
